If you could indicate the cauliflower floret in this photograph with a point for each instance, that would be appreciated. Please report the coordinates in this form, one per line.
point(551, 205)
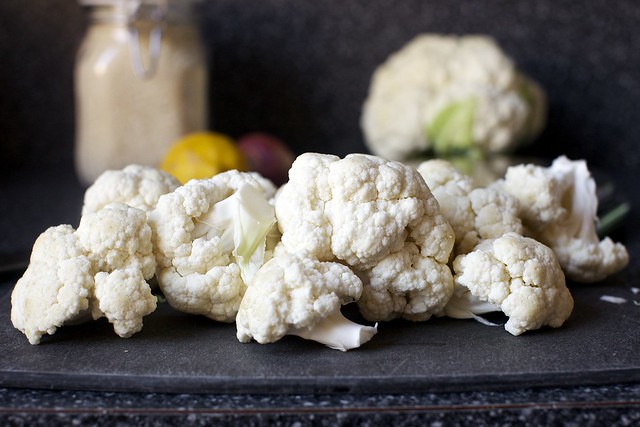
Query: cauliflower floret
point(451, 189)
point(362, 210)
point(475, 214)
point(496, 213)
point(210, 239)
point(118, 243)
point(301, 296)
point(136, 185)
point(124, 297)
point(396, 287)
point(518, 275)
point(57, 286)
point(450, 94)
point(100, 269)
point(538, 194)
point(558, 206)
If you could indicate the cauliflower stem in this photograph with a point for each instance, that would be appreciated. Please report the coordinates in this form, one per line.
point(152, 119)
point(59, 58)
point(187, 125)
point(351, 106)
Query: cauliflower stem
point(337, 332)
point(464, 305)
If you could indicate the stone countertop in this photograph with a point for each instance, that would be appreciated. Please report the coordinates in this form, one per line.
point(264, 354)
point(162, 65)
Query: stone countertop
point(603, 405)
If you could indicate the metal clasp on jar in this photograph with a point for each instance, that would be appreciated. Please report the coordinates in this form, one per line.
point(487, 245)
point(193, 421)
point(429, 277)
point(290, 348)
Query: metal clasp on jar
point(157, 16)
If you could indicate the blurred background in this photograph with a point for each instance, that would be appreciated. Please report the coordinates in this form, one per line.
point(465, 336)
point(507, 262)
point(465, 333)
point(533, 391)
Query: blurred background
point(301, 69)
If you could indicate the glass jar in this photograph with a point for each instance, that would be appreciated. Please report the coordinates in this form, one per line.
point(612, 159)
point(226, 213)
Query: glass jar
point(140, 83)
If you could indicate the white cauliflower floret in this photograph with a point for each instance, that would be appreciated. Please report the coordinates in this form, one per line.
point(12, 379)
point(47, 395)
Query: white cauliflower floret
point(496, 213)
point(57, 286)
point(100, 269)
point(396, 287)
point(210, 239)
point(474, 214)
point(450, 94)
point(303, 297)
point(451, 189)
point(124, 297)
point(520, 276)
point(118, 242)
point(558, 206)
point(363, 210)
point(135, 185)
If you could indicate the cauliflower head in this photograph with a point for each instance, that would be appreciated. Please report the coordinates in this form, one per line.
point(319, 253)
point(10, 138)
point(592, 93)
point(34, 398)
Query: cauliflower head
point(210, 237)
point(136, 185)
point(450, 94)
point(518, 275)
point(367, 212)
point(558, 206)
point(57, 286)
point(303, 297)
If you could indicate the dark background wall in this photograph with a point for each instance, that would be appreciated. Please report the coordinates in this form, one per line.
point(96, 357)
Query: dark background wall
point(301, 69)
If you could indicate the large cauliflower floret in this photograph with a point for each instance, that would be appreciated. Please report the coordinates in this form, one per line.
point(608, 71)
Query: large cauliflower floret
point(118, 242)
point(363, 210)
point(519, 276)
point(210, 239)
point(558, 206)
point(303, 297)
point(474, 214)
point(57, 286)
point(450, 94)
point(99, 269)
point(136, 185)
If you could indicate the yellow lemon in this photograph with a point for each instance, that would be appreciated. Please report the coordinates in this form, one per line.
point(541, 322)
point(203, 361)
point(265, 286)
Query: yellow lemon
point(202, 155)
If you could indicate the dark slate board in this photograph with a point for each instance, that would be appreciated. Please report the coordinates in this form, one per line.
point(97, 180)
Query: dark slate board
point(176, 352)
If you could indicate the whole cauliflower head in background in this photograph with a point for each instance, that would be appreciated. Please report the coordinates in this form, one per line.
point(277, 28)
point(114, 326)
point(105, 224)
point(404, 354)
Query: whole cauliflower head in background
point(450, 94)
point(519, 276)
point(136, 185)
point(210, 238)
point(558, 206)
point(368, 212)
